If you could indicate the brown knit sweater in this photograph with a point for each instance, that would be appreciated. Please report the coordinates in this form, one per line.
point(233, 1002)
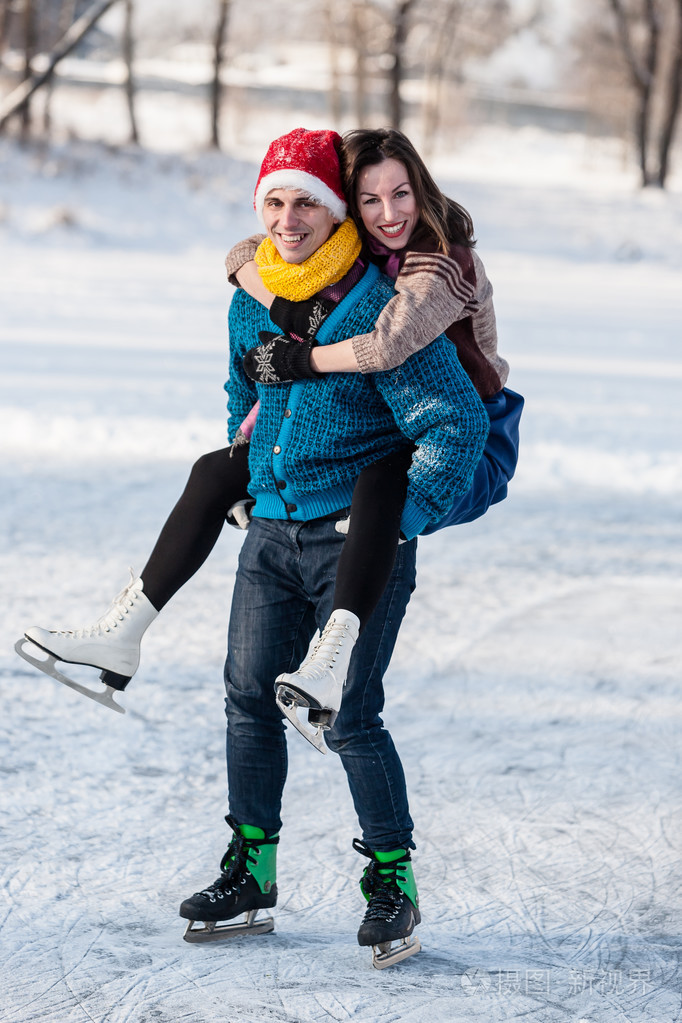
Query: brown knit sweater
point(435, 294)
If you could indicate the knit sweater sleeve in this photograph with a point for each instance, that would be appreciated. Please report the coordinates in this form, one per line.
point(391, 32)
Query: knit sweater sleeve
point(239, 254)
point(446, 420)
point(432, 291)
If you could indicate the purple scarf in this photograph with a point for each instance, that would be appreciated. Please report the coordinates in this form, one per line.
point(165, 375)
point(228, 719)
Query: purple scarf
point(391, 257)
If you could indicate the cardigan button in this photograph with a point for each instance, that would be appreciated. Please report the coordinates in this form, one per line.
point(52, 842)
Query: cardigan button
point(287, 413)
point(291, 508)
point(277, 449)
point(281, 484)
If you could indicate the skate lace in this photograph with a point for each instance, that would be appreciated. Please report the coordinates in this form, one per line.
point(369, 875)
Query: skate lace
point(325, 651)
point(380, 884)
point(114, 614)
point(234, 864)
point(385, 897)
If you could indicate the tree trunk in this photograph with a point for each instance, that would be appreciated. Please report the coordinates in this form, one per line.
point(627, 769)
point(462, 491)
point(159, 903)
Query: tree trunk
point(400, 27)
point(128, 52)
point(445, 32)
point(334, 78)
point(358, 29)
point(218, 54)
point(20, 97)
point(4, 24)
point(642, 75)
point(29, 53)
point(672, 109)
point(67, 11)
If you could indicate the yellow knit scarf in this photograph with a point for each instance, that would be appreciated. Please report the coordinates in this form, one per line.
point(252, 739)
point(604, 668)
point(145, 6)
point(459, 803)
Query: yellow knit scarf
point(299, 281)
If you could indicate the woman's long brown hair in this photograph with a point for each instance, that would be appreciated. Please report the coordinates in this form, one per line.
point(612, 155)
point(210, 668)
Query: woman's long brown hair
point(446, 220)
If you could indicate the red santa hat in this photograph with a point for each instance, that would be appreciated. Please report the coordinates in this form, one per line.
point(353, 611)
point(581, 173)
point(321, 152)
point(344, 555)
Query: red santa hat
point(307, 161)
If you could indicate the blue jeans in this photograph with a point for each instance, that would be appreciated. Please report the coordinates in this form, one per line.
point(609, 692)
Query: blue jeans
point(283, 592)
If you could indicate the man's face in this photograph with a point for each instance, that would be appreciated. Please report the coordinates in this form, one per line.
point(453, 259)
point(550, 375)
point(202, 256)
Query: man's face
point(296, 224)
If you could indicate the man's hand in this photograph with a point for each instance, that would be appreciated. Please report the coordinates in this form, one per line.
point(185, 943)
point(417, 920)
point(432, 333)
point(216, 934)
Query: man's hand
point(279, 359)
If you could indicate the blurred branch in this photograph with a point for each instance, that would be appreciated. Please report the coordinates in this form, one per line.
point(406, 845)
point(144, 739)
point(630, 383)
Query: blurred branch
point(19, 98)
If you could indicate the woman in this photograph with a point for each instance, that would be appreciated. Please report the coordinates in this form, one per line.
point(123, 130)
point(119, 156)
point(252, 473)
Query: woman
point(426, 242)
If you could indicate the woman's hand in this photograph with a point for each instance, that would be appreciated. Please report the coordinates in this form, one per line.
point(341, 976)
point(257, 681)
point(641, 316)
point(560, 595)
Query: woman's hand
point(280, 359)
point(250, 280)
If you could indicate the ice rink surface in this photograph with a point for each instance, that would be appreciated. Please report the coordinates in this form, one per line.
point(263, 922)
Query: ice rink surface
point(535, 691)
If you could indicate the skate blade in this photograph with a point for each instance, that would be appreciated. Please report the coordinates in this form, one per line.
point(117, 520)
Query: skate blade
point(388, 953)
point(48, 665)
point(212, 931)
point(290, 702)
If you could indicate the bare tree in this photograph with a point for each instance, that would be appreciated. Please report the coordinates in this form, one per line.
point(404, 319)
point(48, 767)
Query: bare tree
point(400, 29)
point(65, 17)
point(452, 33)
point(5, 6)
point(359, 39)
point(672, 104)
point(635, 62)
point(218, 56)
point(333, 39)
point(29, 25)
point(20, 97)
point(128, 49)
point(439, 59)
point(642, 68)
point(431, 39)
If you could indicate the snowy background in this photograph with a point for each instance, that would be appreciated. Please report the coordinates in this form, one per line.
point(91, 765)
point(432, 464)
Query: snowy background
point(535, 690)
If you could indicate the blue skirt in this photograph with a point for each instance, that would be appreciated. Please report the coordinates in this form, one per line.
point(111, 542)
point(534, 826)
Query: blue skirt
point(497, 464)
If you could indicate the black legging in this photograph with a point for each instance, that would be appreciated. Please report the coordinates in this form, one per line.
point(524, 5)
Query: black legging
point(220, 479)
point(369, 551)
point(216, 482)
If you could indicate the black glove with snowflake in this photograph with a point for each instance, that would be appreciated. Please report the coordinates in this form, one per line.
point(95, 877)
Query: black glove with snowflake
point(303, 319)
point(280, 359)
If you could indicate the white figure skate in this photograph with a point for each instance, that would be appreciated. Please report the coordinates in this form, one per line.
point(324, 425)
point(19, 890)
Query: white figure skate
point(318, 684)
point(112, 644)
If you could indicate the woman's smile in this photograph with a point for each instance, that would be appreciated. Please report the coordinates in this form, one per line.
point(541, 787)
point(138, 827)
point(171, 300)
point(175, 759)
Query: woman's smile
point(387, 203)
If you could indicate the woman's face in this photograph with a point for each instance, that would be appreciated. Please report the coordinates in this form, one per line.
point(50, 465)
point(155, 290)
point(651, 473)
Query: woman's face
point(387, 203)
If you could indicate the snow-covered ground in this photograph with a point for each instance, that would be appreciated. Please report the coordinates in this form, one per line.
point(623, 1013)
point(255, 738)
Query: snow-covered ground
point(535, 691)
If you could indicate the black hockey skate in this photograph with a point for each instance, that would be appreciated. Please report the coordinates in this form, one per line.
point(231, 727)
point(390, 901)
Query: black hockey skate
point(246, 884)
point(393, 908)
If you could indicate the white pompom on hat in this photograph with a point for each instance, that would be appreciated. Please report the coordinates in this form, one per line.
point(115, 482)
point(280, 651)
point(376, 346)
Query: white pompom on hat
point(307, 161)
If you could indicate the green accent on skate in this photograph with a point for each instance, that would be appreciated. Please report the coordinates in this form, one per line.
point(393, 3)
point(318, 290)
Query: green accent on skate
point(404, 874)
point(249, 831)
point(261, 860)
point(262, 863)
point(407, 883)
point(388, 857)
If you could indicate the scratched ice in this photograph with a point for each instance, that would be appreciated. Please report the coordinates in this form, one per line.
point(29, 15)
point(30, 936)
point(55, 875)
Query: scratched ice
point(535, 692)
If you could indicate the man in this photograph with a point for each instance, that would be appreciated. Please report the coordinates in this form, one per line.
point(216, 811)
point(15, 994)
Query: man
point(311, 440)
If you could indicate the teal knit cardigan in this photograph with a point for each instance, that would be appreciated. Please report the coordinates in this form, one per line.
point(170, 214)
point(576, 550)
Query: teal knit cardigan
point(313, 438)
